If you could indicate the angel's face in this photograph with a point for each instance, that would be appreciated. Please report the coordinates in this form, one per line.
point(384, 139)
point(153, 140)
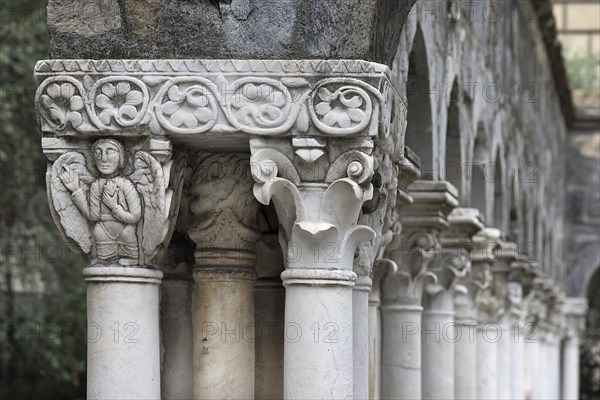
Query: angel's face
point(107, 157)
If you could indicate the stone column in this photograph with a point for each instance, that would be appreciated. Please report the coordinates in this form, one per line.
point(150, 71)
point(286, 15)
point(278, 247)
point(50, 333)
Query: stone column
point(177, 372)
point(116, 202)
point(575, 309)
point(269, 297)
point(501, 269)
point(318, 183)
point(514, 312)
point(556, 327)
point(223, 224)
point(402, 290)
point(381, 268)
point(380, 214)
point(528, 321)
point(456, 241)
point(488, 307)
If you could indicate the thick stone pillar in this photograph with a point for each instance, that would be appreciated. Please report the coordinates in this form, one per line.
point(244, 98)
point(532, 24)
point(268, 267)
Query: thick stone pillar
point(115, 201)
point(574, 309)
point(223, 224)
point(456, 240)
point(402, 290)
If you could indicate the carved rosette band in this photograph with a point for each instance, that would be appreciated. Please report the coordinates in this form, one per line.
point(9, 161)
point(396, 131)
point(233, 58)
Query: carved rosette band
point(187, 97)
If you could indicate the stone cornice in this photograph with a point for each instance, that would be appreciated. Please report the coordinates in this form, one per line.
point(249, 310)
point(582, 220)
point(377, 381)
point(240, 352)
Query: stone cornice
point(184, 98)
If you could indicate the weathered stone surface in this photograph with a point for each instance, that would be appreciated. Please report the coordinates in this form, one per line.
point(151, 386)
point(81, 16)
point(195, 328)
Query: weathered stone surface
point(86, 19)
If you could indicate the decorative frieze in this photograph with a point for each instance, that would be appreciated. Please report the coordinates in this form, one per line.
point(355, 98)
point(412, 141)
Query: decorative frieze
point(337, 98)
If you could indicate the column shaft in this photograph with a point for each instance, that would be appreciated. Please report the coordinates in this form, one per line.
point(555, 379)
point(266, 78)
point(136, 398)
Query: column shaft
point(465, 361)
point(360, 322)
point(318, 334)
point(487, 362)
point(177, 372)
point(123, 333)
point(401, 352)
point(438, 336)
point(570, 368)
point(517, 364)
point(504, 373)
point(224, 333)
point(269, 298)
point(374, 350)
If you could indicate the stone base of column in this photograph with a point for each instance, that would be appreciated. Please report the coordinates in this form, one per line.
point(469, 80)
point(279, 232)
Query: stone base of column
point(123, 332)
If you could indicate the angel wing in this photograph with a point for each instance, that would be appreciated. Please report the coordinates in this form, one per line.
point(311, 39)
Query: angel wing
point(151, 184)
point(72, 222)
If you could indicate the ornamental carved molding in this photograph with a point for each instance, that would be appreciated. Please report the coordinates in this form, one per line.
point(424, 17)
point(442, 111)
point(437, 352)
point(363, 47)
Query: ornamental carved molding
point(179, 98)
point(322, 135)
point(116, 202)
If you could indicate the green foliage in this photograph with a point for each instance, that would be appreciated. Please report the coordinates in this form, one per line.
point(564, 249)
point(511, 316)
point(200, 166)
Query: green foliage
point(584, 71)
point(42, 295)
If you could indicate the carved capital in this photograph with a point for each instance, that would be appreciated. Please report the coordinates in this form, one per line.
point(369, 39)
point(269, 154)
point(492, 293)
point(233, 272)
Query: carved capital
point(575, 310)
point(115, 201)
point(223, 212)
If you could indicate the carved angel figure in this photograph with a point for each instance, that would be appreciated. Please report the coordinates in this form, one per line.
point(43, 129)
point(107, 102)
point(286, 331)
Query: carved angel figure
point(111, 217)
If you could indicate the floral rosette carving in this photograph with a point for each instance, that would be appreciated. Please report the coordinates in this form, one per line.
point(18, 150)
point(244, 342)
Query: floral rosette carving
point(61, 104)
point(262, 106)
point(119, 100)
point(346, 109)
point(186, 106)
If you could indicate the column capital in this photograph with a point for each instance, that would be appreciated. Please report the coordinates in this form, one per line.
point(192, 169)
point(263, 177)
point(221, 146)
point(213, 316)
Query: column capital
point(422, 222)
point(575, 310)
point(115, 201)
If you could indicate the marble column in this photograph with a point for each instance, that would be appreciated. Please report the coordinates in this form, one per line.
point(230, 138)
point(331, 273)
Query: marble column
point(456, 240)
point(402, 290)
point(269, 298)
point(528, 321)
point(574, 309)
point(177, 372)
point(501, 269)
point(224, 226)
point(120, 214)
point(488, 307)
point(515, 316)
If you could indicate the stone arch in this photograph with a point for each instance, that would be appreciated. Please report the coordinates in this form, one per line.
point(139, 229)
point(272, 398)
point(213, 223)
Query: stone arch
point(419, 125)
point(453, 168)
point(498, 205)
point(478, 182)
point(580, 276)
